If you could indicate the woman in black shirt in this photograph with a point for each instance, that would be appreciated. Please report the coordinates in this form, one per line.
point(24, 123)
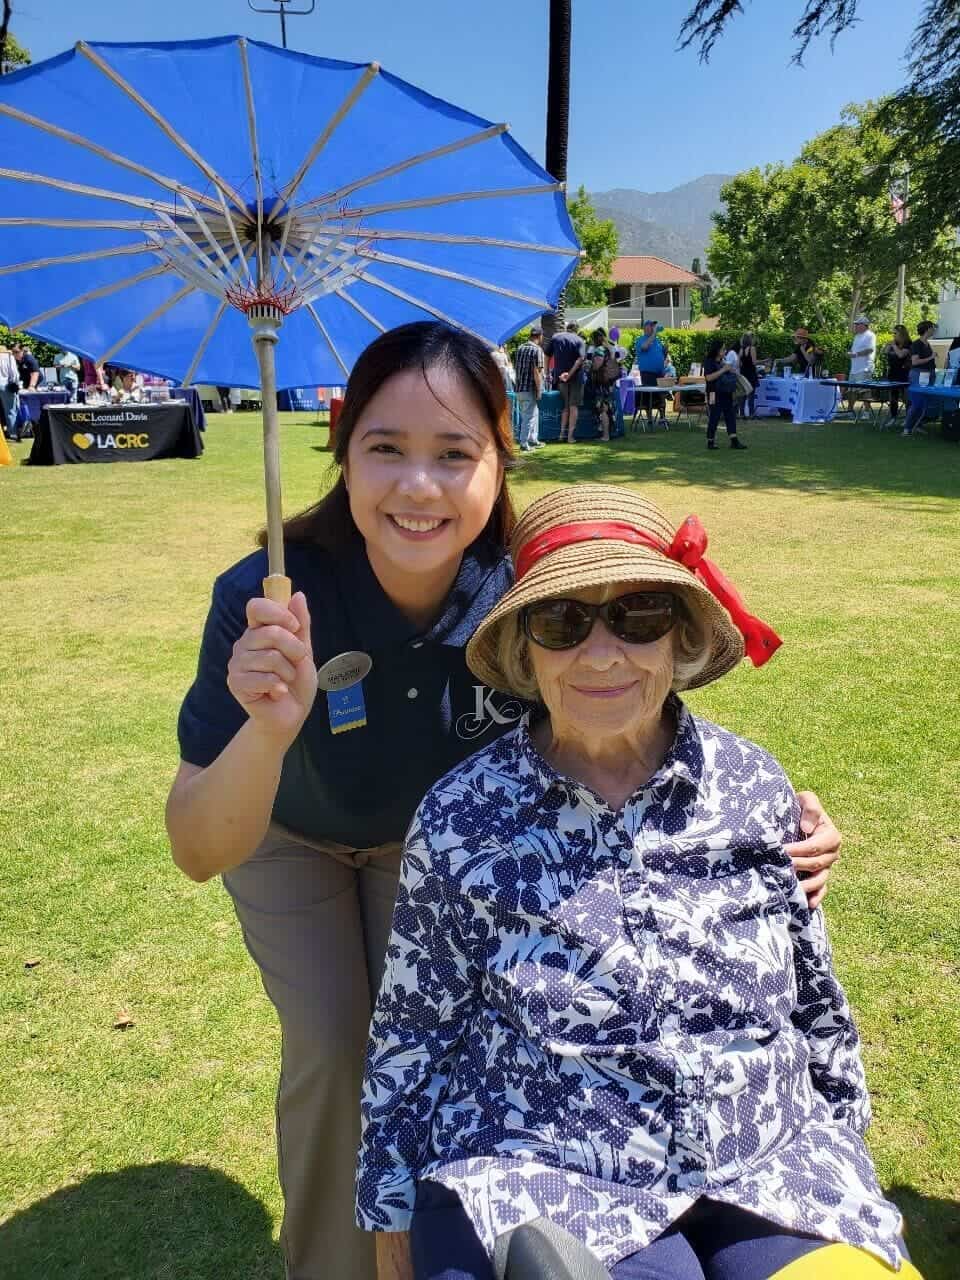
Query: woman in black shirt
point(748, 367)
point(922, 360)
point(898, 364)
point(721, 383)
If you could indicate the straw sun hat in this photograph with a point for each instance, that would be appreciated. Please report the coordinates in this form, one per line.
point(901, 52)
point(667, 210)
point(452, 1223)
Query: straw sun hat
point(593, 535)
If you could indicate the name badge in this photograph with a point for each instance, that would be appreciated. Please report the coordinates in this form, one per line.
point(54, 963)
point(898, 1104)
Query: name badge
point(342, 680)
point(344, 670)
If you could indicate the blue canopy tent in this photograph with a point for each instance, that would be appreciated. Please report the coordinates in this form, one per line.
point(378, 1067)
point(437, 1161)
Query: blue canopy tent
point(167, 194)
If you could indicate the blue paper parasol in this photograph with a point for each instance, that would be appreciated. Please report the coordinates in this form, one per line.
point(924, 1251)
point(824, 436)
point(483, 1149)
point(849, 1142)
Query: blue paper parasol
point(154, 196)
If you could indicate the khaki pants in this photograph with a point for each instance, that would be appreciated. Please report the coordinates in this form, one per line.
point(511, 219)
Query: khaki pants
point(316, 919)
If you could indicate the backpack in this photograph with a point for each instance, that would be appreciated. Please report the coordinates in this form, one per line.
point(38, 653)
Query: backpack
point(606, 367)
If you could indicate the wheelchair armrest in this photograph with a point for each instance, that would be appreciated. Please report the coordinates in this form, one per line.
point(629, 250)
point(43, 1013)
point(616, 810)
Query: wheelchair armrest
point(540, 1250)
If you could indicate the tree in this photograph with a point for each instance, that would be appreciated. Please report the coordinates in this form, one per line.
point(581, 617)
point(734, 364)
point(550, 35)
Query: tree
point(598, 237)
point(925, 111)
point(12, 52)
point(707, 21)
point(818, 240)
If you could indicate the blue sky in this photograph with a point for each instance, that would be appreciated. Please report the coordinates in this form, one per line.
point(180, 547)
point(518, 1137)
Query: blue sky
point(642, 115)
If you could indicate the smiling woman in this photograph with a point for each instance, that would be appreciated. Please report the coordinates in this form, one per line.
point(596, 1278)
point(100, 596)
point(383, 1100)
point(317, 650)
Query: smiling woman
point(300, 800)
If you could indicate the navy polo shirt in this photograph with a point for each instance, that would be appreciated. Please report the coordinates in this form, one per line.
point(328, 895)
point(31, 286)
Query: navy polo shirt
point(425, 709)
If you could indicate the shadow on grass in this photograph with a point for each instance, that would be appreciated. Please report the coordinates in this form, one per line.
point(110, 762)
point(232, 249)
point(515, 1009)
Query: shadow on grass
point(149, 1222)
point(932, 1231)
point(843, 459)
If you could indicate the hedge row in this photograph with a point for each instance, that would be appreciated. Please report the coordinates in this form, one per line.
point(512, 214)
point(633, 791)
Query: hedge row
point(690, 345)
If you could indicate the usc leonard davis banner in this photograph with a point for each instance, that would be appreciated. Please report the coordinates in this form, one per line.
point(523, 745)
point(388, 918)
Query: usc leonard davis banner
point(114, 433)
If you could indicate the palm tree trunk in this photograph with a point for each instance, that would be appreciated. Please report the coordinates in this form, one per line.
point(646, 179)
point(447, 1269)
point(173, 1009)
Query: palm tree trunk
point(558, 103)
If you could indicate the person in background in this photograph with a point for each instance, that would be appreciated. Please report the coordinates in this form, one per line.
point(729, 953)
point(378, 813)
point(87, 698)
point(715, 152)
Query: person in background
point(806, 355)
point(29, 366)
point(529, 364)
point(224, 396)
point(127, 391)
point(922, 362)
point(568, 351)
point(749, 370)
point(9, 394)
point(953, 358)
point(68, 371)
point(604, 376)
point(862, 356)
point(648, 355)
point(897, 352)
point(863, 350)
point(502, 360)
point(669, 368)
point(721, 383)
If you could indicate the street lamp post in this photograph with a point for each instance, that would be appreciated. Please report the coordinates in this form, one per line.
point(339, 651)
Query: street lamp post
point(284, 8)
point(901, 216)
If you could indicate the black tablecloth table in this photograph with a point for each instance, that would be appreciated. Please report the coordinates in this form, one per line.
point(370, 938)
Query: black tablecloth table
point(114, 433)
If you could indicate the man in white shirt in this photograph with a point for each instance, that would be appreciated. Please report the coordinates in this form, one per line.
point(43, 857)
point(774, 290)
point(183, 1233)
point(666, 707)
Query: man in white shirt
point(9, 394)
point(862, 353)
point(863, 350)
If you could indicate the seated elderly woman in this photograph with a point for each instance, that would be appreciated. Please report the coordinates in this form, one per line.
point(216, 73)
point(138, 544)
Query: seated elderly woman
point(606, 1002)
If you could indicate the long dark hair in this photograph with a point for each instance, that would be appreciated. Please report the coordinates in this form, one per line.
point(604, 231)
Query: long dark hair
point(424, 345)
point(714, 348)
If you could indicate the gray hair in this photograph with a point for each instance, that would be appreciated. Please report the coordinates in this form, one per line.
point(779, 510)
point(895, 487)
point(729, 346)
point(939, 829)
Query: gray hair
point(691, 648)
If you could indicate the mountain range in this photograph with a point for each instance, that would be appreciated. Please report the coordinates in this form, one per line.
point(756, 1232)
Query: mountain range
point(671, 224)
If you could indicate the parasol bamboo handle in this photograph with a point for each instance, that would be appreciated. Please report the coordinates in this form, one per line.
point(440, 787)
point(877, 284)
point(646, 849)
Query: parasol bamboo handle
point(278, 587)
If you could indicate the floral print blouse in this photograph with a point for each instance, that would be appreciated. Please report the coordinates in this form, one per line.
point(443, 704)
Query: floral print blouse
point(600, 1017)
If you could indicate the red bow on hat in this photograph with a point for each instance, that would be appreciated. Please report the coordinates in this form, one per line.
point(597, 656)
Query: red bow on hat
point(687, 548)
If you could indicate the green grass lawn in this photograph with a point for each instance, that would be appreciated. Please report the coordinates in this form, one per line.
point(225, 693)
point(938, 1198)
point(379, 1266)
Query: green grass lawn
point(148, 1152)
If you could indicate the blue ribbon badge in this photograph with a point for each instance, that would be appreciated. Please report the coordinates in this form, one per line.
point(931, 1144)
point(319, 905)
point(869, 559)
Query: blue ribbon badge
point(342, 680)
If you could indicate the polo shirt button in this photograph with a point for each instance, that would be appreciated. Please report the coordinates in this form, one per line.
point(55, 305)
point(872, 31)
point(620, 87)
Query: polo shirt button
point(412, 693)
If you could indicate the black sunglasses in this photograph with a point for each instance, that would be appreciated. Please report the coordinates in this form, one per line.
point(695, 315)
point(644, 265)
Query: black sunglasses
point(639, 617)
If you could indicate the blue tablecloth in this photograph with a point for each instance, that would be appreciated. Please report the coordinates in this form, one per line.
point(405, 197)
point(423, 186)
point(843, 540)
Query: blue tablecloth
point(550, 405)
point(33, 403)
point(805, 399)
point(301, 399)
point(192, 397)
point(935, 397)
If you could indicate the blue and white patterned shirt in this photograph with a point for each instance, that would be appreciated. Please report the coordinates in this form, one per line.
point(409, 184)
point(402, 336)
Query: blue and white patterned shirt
point(600, 1017)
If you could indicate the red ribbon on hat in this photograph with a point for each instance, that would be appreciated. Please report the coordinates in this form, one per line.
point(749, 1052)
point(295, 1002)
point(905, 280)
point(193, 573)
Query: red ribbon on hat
point(687, 548)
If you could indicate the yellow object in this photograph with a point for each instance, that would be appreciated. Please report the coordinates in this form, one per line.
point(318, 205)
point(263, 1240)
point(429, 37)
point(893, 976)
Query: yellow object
point(843, 1262)
point(6, 457)
point(81, 441)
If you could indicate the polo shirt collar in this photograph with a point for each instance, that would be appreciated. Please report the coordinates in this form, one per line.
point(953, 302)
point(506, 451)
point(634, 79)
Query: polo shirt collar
point(378, 624)
point(684, 761)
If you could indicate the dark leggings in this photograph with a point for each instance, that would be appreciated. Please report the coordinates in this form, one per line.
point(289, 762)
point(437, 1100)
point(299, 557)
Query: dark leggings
point(723, 404)
point(712, 1240)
